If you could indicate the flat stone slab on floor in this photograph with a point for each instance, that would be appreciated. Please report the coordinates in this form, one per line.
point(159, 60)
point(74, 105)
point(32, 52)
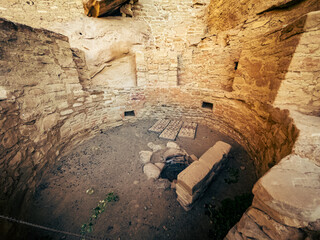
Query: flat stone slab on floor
point(188, 130)
point(171, 130)
point(159, 126)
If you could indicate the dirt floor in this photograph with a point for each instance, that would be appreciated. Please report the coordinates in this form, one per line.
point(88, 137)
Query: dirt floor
point(146, 209)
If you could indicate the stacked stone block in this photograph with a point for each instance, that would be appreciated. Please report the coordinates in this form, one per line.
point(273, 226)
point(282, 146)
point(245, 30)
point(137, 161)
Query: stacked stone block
point(194, 180)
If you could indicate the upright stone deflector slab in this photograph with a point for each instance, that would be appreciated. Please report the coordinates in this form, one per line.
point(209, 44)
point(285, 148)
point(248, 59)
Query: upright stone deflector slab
point(159, 126)
point(194, 180)
point(188, 130)
point(171, 130)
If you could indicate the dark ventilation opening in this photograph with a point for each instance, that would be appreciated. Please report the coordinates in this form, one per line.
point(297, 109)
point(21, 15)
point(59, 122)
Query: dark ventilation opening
point(129, 114)
point(207, 105)
point(236, 65)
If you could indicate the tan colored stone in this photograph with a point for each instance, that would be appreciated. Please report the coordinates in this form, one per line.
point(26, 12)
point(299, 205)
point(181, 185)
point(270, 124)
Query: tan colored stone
point(50, 121)
point(272, 228)
point(3, 93)
point(215, 154)
point(191, 178)
point(160, 165)
point(249, 229)
point(173, 145)
point(233, 234)
point(184, 196)
point(289, 193)
point(66, 112)
point(152, 171)
point(145, 156)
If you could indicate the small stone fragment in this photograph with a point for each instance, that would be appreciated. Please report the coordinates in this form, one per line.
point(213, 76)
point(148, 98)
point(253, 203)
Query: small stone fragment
point(173, 145)
point(151, 170)
point(145, 156)
point(155, 147)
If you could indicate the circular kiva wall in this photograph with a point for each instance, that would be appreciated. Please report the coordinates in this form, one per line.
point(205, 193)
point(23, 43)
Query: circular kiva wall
point(173, 60)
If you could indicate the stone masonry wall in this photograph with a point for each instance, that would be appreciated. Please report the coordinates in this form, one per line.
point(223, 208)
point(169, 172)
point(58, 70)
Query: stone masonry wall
point(300, 88)
point(44, 108)
point(243, 63)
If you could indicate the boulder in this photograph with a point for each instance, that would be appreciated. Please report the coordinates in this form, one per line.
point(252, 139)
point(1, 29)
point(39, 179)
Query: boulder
point(145, 156)
point(151, 170)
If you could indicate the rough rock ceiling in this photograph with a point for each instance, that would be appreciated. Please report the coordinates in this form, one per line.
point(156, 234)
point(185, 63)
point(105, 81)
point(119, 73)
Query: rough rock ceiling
point(96, 8)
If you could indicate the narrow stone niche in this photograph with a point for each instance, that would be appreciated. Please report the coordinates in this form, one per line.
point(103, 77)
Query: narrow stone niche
point(207, 105)
point(129, 113)
point(236, 65)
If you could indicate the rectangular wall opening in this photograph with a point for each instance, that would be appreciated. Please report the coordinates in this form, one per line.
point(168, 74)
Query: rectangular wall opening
point(207, 105)
point(236, 65)
point(129, 113)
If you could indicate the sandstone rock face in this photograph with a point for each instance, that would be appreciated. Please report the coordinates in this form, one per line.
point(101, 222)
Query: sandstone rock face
point(302, 72)
point(286, 201)
point(242, 11)
point(291, 190)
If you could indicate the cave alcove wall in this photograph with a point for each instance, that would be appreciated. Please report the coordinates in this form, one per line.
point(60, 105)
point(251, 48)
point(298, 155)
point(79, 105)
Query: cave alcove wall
point(52, 97)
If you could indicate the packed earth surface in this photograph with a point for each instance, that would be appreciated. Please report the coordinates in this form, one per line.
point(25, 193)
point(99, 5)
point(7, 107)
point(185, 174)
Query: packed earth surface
point(145, 209)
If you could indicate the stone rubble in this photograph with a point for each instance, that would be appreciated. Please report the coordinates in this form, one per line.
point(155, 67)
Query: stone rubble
point(154, 162)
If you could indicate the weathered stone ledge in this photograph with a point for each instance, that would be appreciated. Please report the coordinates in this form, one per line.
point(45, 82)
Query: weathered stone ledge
point(286, 203)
